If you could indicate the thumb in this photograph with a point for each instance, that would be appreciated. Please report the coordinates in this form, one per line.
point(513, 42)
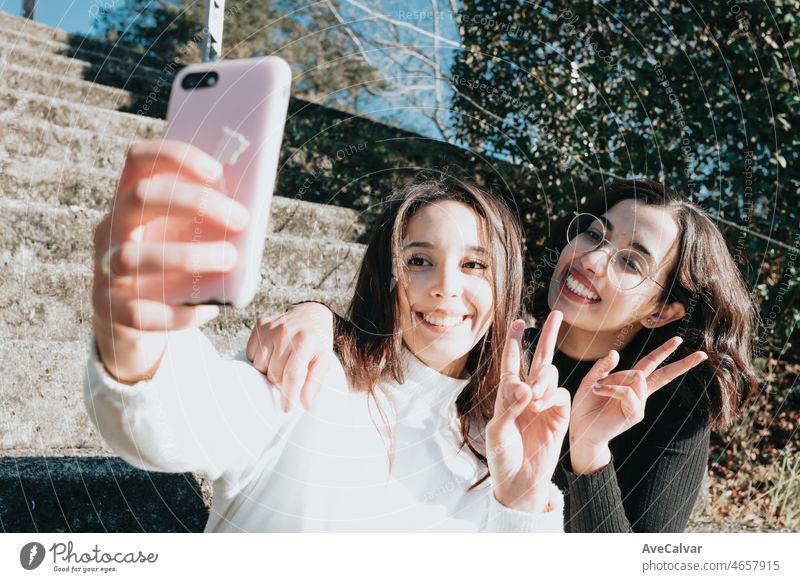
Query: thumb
point(601, 368)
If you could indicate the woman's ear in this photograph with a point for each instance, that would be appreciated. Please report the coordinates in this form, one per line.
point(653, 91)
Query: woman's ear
point(665, 314)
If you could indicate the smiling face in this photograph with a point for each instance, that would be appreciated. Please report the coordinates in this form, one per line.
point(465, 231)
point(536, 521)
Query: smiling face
point(589, 294)
point(446, 295)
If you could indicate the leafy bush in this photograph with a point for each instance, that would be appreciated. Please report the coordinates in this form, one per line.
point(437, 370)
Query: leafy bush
point(703, 96)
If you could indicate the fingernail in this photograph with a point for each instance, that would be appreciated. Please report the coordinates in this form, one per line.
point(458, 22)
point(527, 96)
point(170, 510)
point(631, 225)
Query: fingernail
point(229, 256)
point(239, 217)
point(703, 356)
point(519, 393)
point(679, 341)
point(212, 170)
point(597, 386)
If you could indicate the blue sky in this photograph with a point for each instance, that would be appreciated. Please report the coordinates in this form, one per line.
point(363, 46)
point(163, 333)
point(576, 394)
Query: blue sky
point(70, 15)
point(76, 16)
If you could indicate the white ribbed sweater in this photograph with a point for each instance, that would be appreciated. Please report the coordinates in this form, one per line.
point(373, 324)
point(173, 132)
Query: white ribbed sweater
point(319, 470)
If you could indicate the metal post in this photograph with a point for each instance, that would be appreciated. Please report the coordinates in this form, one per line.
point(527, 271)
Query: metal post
point(212, 31)
point(29, 9)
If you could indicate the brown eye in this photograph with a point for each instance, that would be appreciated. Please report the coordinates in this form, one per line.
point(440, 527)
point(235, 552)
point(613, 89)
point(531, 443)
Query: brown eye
point(594, 235)
point(418, 262)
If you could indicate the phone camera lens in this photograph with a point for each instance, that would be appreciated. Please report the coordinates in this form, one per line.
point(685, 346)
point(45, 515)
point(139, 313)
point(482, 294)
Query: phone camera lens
point(200, 80)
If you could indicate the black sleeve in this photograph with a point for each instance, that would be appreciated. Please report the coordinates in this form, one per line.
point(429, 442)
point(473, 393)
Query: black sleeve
point(653, 480)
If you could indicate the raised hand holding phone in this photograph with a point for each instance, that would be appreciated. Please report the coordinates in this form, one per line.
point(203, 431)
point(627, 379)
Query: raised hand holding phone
point(189, 219)
point(145, 257)
point(525, 436)
point(606, 404)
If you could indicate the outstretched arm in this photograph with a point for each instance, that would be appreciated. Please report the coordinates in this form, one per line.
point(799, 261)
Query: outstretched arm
point(199, 412)
point(156, 388)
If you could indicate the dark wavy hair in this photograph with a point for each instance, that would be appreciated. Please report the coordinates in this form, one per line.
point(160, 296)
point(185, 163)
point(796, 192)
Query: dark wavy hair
point(720, 314)
point(370, 344)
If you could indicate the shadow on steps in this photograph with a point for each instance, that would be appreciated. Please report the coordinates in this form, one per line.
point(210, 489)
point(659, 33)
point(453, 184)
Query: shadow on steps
point(96, 494)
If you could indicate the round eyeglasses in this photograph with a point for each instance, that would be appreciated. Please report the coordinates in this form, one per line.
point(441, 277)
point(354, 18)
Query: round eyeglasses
point(626, 268)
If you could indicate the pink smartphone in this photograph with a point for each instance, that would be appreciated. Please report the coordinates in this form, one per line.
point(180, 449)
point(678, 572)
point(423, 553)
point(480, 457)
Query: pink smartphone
point(234, 110)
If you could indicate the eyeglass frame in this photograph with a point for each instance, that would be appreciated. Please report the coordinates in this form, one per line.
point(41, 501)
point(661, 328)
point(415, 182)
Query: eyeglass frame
point(605, 242)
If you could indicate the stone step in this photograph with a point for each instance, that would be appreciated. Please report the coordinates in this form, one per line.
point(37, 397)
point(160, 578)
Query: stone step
point(41, 395)
point(53, 303)
point(31, 28)
point(81, 91)
point(90, 51)
point(104, 71)
point(36, 32)
point(44, 182)
point(96, 494)
point(17, 107)
point(35, 233)
point(42, 409)
point(33, 138)
point(105, 151)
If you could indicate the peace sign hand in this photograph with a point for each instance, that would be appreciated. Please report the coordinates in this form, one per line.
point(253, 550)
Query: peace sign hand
point(530, 421)
point(606, 405)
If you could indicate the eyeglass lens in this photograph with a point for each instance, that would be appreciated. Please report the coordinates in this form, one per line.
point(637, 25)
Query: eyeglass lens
point(627, 268)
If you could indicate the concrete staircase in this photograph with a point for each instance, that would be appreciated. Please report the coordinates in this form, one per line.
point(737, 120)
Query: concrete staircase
point(67, 116)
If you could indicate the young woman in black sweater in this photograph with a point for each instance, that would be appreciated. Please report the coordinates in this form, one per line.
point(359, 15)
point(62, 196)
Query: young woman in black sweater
point(643, 277)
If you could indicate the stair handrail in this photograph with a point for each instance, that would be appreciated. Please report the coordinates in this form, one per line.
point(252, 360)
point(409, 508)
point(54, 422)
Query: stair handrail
point(29, 9)
point(212, 30)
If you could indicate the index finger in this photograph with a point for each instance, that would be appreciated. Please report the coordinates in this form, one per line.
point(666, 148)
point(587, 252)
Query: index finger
point(148, 158)
point(651, 361)
point(512, 350)
point(546, 346)
point(668, 373)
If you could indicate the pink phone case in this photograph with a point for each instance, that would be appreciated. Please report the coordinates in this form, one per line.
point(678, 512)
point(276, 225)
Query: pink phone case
point(238, 120)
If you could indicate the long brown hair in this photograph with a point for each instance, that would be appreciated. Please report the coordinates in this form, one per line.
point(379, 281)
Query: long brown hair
point(720, 314)
point(369, 345)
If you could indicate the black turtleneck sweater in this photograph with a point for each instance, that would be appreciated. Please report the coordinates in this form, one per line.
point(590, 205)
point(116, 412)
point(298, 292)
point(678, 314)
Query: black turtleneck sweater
point(657, 466)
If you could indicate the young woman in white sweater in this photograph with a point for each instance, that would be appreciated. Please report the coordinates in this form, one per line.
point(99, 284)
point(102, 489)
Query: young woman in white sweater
point(641, 274)
point(422, 425)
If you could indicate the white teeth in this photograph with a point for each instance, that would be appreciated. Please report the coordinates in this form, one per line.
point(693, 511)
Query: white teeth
point(443, 321)
point(579, 289)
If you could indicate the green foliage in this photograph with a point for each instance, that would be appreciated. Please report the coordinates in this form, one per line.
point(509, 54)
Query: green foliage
point(326, 66)
point(335, 158)
point(703, 96)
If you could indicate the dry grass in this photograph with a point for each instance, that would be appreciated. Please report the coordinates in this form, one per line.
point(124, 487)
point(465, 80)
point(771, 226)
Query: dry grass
point(755, 468)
